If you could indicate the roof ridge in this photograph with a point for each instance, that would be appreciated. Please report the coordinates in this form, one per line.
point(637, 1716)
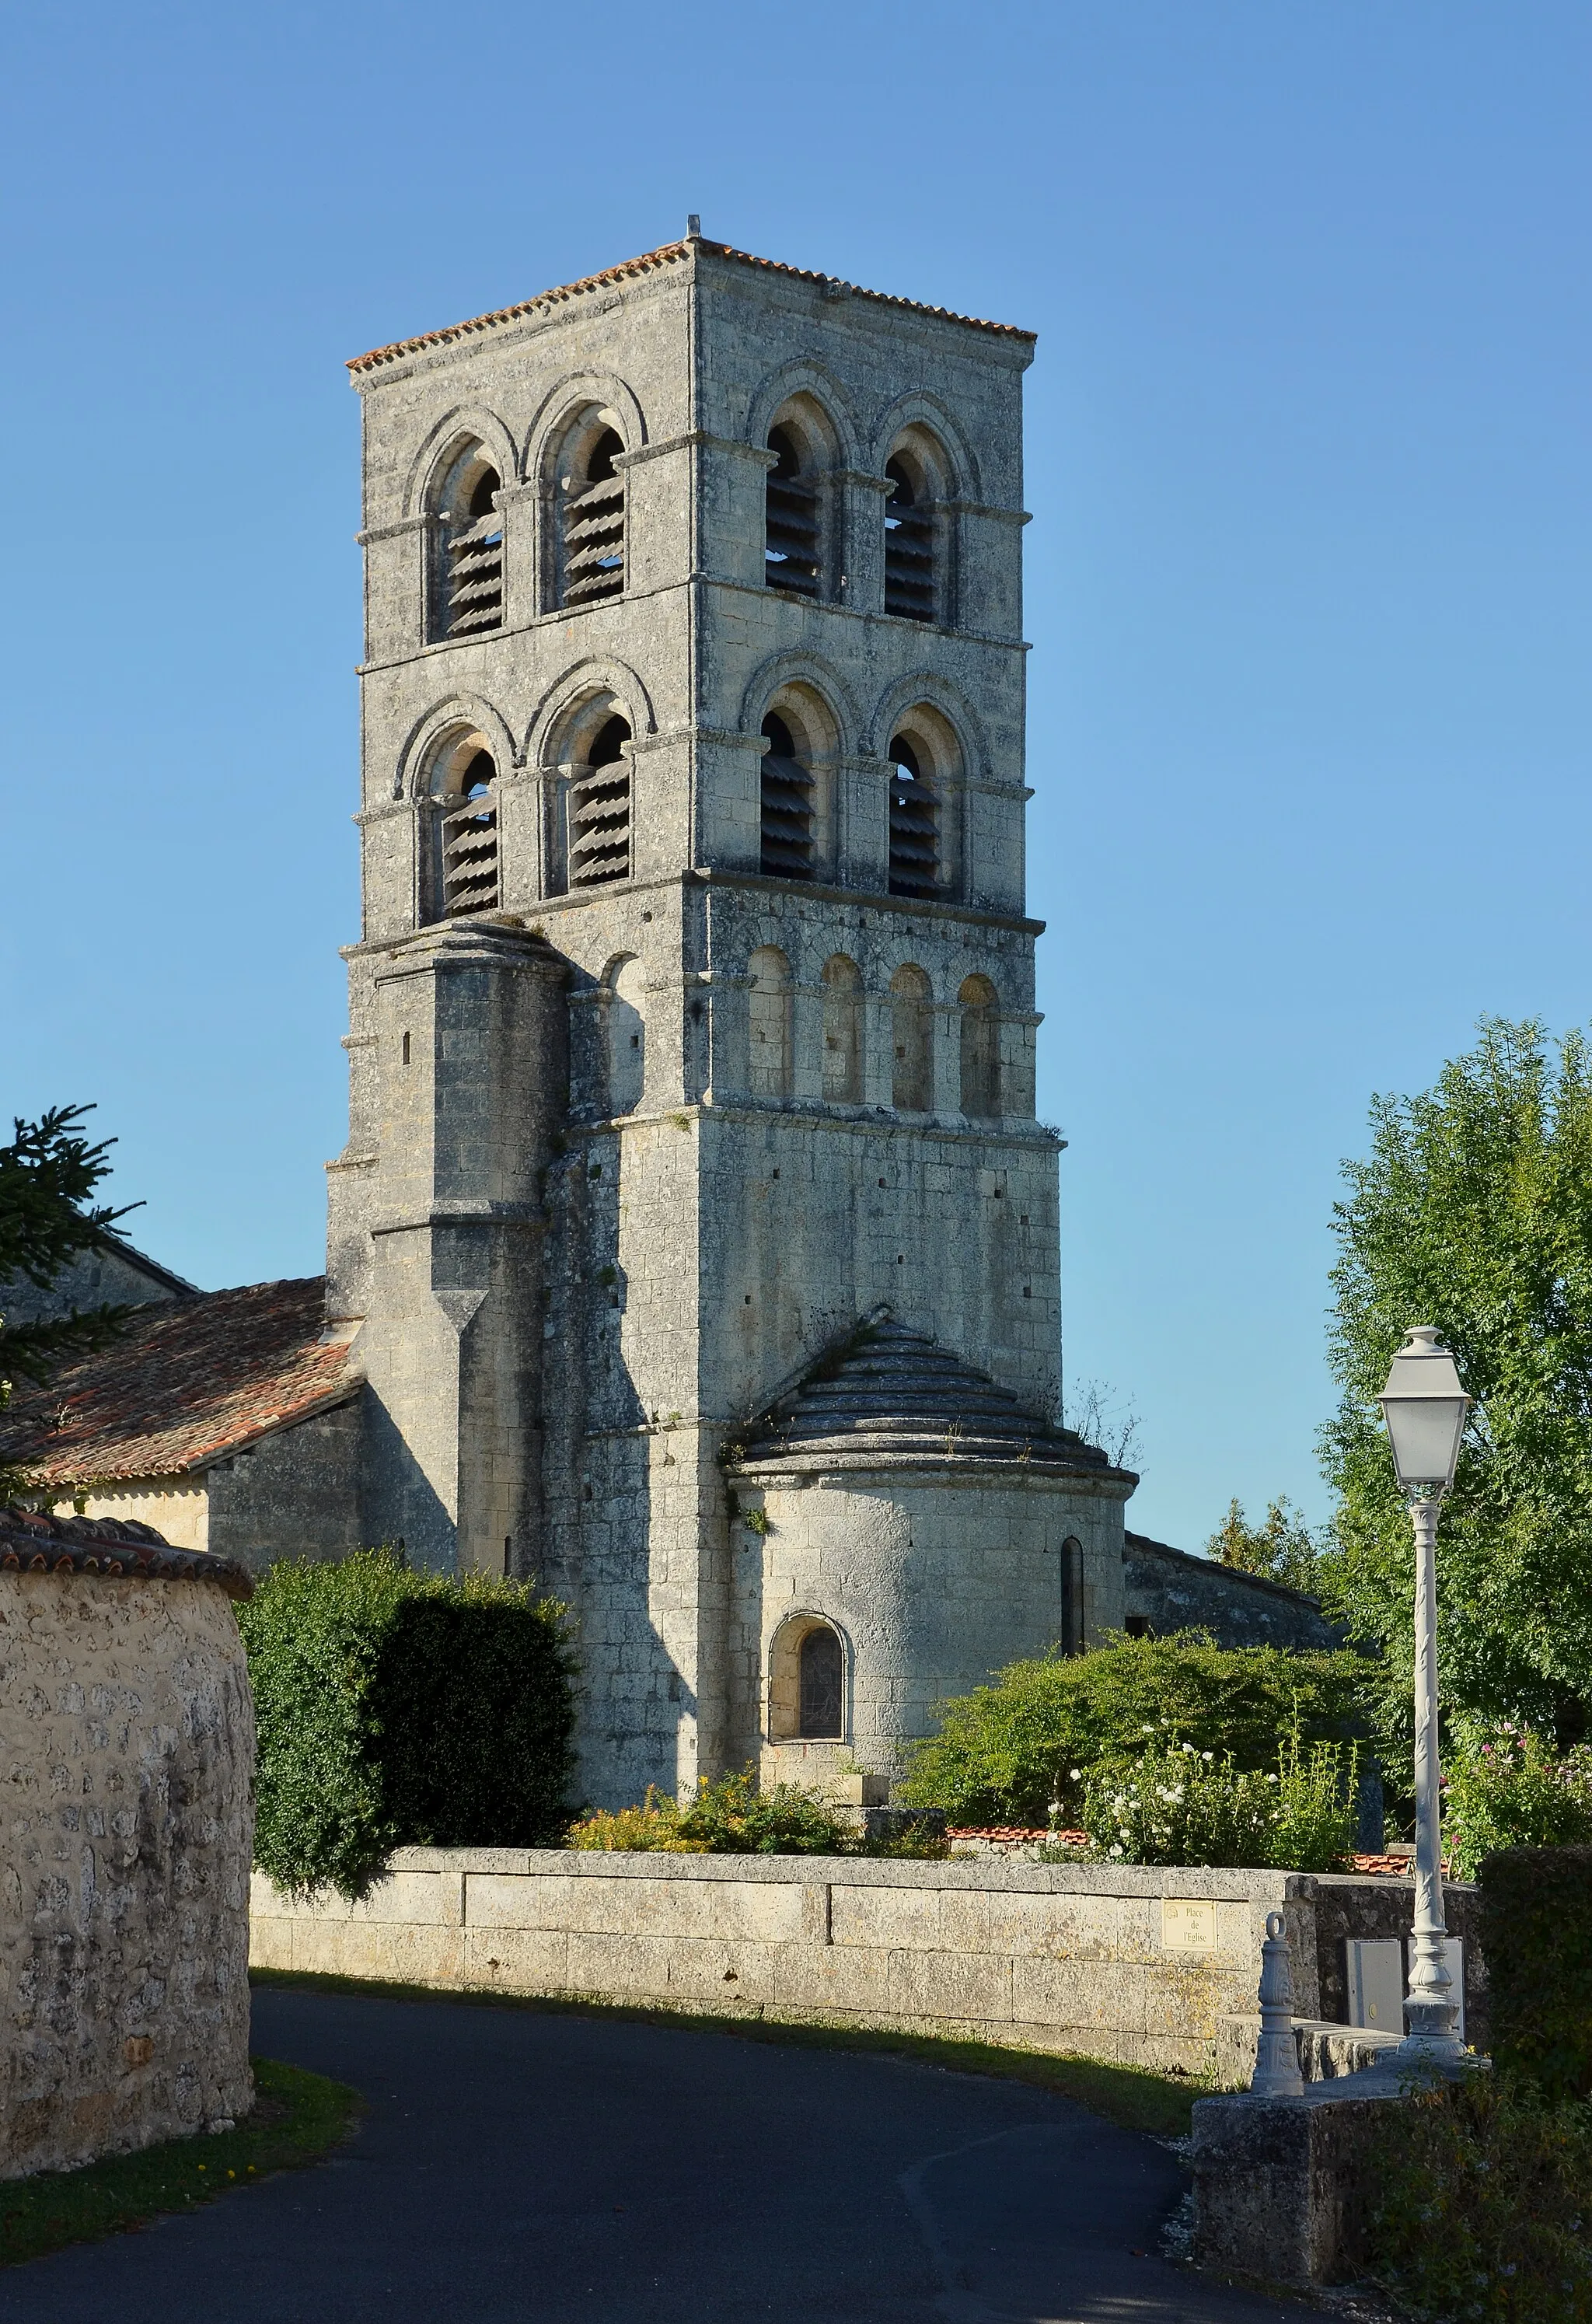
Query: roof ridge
point(666, 254)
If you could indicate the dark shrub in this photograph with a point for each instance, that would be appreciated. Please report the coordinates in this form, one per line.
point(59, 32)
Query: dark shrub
point(1006, 1751)
point(1536, 1939)
point(1486, 2205)
point(399, 1709)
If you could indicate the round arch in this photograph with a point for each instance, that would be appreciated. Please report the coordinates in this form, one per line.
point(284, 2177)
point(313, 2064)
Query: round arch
point(598, 674)
point(918, 408)
point(466, 424)
point(815, 382)
point(459, 713)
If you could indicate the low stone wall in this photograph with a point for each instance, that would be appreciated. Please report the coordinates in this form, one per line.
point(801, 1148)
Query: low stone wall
point(1112, 1961)
point(126, 1756)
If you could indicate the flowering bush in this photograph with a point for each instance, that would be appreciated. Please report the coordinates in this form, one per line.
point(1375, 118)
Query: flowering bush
point(1181, 1806)
point(1513, 1791)
point(1007, 1753)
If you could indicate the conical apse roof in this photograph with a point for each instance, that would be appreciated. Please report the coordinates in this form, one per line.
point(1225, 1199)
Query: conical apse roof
point(889, 1394)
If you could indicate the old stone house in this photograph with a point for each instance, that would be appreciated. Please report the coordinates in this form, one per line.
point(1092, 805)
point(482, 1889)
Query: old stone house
point(695, 1244)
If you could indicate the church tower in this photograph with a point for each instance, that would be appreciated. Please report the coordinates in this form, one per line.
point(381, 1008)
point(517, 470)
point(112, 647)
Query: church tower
point(701, 1238)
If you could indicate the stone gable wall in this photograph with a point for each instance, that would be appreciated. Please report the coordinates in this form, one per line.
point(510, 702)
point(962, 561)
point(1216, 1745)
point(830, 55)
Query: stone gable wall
point(126, 1753)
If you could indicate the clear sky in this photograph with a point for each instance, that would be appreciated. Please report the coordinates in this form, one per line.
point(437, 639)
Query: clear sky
point(1308, 573)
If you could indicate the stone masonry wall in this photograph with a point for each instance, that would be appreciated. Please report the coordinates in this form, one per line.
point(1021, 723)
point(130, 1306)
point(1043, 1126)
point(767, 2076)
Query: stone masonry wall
point(1117, 1963)
point(126, 1757)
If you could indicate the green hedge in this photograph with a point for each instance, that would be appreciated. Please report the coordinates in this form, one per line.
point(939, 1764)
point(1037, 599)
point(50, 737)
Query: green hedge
point(1007, 1751)
point(1536, 1939)
point(1485, 2200)
point(399, 1709)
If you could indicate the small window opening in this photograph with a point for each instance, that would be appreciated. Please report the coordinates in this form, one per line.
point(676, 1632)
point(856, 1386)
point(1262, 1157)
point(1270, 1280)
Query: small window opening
point(406, 1048)
point(909, 550)
point(791, 540)
point(474, 562)
point(820, 1667)
point(914, 855)
point(1137, 1625)
point(469, 836)
point(600, 811)
point(787, 806)
point(593, 526)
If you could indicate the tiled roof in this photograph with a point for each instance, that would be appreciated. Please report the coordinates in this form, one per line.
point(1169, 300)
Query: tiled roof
point(892, 1394)
point(671, 253)
point(190, 1381)
point(116, 1547)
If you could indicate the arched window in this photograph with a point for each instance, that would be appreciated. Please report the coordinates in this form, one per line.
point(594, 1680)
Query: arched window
point(911, 579)
point(793, 538)
point(821, 1685)
point(842, 1030)
point(467, 579)
point(627, 1039)
point(463, 869)
point(600, 809)
point(912, 1025)
point(590, 515)
point(981, 1048)
point(787, 805)
point(769, 1074)
point(915, 833)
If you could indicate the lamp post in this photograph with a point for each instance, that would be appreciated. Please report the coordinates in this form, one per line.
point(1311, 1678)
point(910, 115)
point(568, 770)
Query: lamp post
point(1425, 1406)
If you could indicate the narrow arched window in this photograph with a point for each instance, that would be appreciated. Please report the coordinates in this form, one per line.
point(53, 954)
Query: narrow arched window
point(627, 1039)
point(467, 592)
point(842, 1030)
point(787, 805)
point(911, 587)
point(463, 874)
point(981, 1048)
point(592, 523)
point(915, 837)
point(912, 1025)
point(600, 810)
point(769, 1071)
point(821, 1668)
point(792, 553)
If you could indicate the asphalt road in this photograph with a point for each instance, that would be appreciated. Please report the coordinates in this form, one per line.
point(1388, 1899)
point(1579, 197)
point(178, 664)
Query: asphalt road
point(516, 2168)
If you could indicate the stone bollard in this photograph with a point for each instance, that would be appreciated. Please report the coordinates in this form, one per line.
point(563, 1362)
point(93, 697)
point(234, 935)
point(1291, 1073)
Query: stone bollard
point(1276, 2057)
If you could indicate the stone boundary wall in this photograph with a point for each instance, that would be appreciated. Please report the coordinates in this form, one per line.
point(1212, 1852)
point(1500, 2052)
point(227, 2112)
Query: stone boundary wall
point(1120, 1962)
point(127, 1756)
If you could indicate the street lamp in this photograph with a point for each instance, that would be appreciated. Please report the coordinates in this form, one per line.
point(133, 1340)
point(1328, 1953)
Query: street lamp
point(1425, 1406)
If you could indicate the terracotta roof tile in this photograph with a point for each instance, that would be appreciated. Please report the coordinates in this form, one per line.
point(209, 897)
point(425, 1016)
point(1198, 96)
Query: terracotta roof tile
point(190, 1381)
point(669, 256)
point(118, 1548)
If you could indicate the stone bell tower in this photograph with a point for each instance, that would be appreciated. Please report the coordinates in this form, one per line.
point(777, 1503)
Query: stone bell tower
point(692, 1025)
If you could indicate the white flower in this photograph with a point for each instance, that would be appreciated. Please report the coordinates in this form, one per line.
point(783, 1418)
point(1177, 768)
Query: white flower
point(1208, 1758)
point(1076, 1773)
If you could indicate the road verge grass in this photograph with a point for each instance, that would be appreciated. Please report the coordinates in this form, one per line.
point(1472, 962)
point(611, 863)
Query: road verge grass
point(1131, 2096)
point(296, 2119)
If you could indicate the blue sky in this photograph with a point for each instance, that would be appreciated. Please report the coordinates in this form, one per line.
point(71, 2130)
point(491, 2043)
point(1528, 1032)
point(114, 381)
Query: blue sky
point(1308, 579)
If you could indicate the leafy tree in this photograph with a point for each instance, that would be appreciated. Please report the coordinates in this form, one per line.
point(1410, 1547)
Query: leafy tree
point(1474, 1213)
point(47, 1173)
point(1282, 1549)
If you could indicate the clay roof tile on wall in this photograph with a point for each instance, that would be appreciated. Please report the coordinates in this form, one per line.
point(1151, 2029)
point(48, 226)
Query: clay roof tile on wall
point(188, 1382)
point(669, 256)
